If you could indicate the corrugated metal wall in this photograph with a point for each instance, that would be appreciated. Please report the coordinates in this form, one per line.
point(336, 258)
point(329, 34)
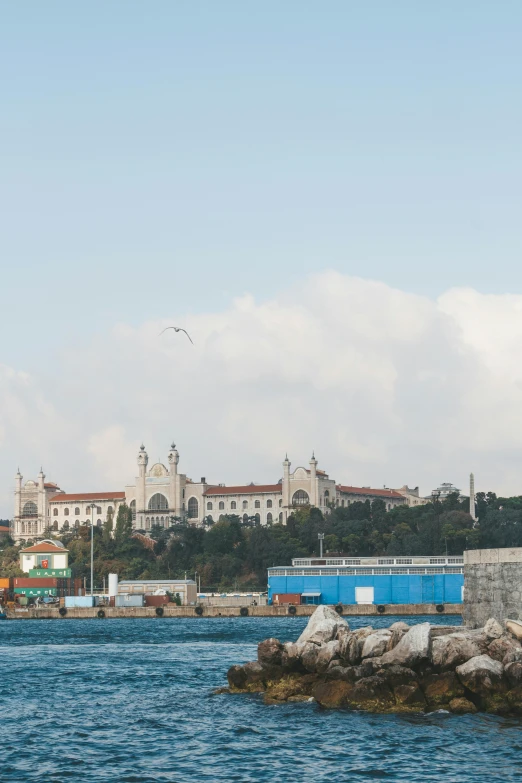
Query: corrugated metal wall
point(392, 589)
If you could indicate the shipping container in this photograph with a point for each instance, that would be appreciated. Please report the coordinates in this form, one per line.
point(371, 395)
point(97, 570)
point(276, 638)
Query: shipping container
point(26, 582)
point(156, 600)
point(34, 592)
point(62, 573)
point(128, 600)
point(6, 582)
point(76, 601)
point(286, 598)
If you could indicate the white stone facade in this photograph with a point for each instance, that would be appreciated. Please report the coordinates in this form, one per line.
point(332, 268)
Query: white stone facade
point(162, 495)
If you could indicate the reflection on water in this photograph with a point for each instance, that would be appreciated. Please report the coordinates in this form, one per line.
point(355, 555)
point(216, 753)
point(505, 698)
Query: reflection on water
point(130, 701)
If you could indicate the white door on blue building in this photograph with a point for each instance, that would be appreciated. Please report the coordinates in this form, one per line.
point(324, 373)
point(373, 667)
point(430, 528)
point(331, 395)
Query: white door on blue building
point(364, 595)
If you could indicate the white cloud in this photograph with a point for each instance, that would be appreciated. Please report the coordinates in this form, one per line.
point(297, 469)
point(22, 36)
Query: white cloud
point(388, 387)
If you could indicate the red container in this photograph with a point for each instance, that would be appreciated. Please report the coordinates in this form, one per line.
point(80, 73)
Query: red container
point(286, 598)
point(156, 600)
point(47, 581)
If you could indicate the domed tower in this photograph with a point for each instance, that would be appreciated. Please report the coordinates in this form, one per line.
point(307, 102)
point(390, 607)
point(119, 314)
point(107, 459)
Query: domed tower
point(143, 461)
point(174, 495)
point(286, 482)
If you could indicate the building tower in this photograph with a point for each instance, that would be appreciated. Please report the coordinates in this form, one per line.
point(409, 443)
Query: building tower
point(286, 484)
point(472, 497)
point(313, 480)
point(174, 488)
point(143, 461)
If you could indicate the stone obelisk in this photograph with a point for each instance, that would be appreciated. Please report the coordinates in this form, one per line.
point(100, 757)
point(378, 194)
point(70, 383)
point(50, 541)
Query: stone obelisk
point(472, 497)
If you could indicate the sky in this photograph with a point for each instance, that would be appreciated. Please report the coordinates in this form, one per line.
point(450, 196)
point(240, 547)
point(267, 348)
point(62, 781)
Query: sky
point(327, 195)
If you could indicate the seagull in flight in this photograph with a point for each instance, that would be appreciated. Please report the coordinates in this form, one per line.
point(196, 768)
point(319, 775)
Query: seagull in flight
point(177, 329)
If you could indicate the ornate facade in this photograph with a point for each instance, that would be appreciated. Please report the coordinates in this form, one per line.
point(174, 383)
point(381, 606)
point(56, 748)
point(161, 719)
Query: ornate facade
point(161, 494)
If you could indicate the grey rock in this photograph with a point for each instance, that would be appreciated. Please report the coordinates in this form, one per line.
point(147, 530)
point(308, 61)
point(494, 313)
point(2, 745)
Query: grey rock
point(376, 643)
point(481, 675)
point(454, 649)
point(270, 652)
point(323, 626)
point(413, 648)
point(493, 629)
point(327, 653)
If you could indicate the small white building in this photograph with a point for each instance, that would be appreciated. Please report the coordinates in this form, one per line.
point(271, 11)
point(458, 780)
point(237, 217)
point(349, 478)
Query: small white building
point(45, 555)
point(186, 588)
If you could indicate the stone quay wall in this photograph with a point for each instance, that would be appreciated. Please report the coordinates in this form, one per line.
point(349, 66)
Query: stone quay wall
point(171, 610)
point(492, 586)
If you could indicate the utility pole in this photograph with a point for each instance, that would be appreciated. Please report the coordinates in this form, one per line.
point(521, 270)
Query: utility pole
point(93, 506)
point(320, 536)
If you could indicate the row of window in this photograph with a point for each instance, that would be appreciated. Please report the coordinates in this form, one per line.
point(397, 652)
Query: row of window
point(363, 571)
point(77, 511)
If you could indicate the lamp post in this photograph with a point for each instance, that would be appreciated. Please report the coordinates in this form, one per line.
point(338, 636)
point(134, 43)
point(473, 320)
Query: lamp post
point(93, 506)
point(320, 536)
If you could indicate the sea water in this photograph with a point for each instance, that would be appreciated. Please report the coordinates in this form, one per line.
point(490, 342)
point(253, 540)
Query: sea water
point(131, 701)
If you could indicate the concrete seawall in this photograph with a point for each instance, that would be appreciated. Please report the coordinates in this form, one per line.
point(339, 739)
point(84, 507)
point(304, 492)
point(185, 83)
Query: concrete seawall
point(492, 585)
point(367, 610)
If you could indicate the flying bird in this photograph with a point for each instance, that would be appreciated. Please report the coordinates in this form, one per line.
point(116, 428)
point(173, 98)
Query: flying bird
point(177, 329)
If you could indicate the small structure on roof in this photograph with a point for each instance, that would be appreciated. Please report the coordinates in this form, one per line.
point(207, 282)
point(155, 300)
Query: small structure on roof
point(47, 555)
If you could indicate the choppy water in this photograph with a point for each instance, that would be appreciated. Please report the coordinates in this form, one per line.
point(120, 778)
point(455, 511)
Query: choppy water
point(130, 701)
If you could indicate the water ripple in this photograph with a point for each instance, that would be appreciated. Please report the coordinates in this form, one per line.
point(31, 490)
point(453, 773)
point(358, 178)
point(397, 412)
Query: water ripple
point(129, 701)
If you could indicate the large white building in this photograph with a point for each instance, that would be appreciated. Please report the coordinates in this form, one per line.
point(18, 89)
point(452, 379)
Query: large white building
point(160, 494)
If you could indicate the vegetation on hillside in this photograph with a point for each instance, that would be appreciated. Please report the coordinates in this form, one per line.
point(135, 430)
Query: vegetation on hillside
point(232, 555)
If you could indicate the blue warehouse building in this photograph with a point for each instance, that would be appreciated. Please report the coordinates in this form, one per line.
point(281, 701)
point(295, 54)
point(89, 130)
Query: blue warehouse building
point(368, 580)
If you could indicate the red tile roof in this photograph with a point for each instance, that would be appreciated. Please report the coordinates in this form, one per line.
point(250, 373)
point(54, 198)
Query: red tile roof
point(83, 496)
point(4, 529)
point(381, 493)
point(45, 548)
point(256, 489)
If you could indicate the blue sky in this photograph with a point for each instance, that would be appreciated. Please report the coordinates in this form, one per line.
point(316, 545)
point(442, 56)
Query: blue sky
point(161, 159)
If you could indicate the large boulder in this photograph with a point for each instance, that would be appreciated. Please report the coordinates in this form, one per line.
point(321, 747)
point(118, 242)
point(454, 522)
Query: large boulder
point(493, 629)
point(269, 652)
point(310, 655)
point(482, 675)
point(450, 651)
point(250, 677)
point(514, 628)
point(323, 626)
point(443, 630)
point(351, 646)
point(441, 689)
point(327, 653)
point(397, 632)
point(462, 706)
point(376, 643)
point(332, 693)
point(505, 649)
point(373, 694)
point(291, 685)
point(413, 648)
point(291, 656)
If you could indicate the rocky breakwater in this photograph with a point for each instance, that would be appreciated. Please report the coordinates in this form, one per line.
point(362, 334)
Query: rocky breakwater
point(397, 669)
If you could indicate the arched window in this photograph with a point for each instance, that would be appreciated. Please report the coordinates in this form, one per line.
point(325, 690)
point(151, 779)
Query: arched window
point(88, 510)
point(55, 510)
point(98, 509)
point(280, 502)
point(269, 519)
point(193, 508)
point(342, 502)
point(110, 510)
point(209, 506)
point(269, 504)
point(132, 507)
point(258, 519)
point(245, 504)
point(66, 512)
point(99, 522)
point(326, 496)
point(257, 504)
point(300, 498)
point(281, 517)
point(66, 524)
point(147, 523)
point(55, 525)
point(77, 523)
point(221, 505)
point(77, 511)
point(30, 509)
point(210, 521)
point(158, 502)
point(245, 518)
point(233, 504)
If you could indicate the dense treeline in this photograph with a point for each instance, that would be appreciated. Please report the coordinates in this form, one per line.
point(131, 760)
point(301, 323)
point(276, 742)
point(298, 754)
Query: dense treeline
point(232, 555)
